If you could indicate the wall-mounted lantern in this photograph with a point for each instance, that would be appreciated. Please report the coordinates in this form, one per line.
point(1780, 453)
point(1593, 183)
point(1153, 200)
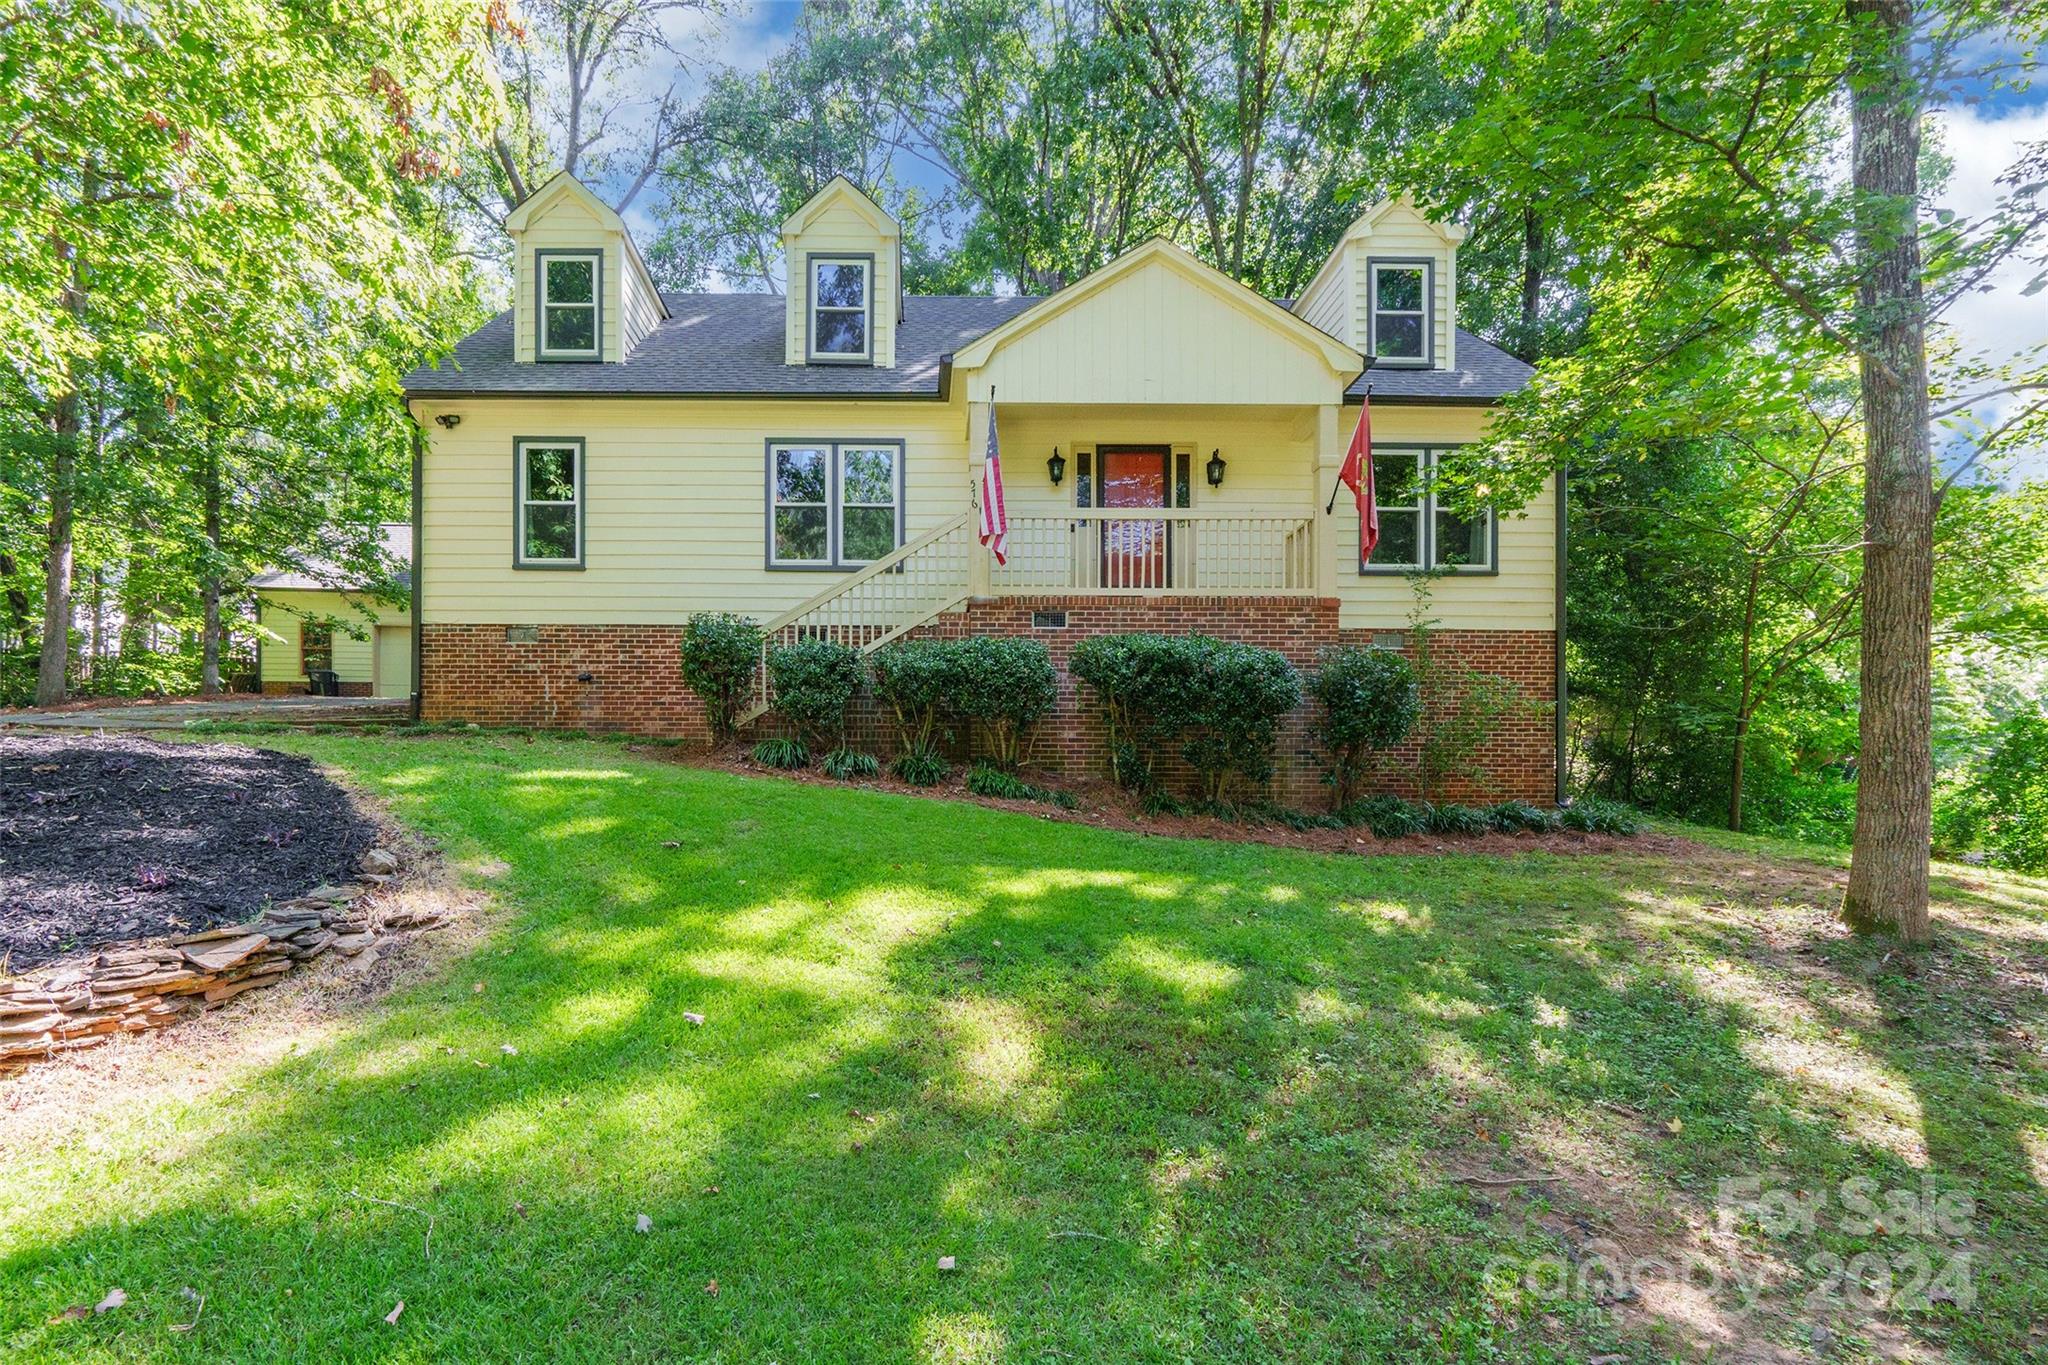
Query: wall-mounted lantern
point(1215, 469)
point(1056, 466)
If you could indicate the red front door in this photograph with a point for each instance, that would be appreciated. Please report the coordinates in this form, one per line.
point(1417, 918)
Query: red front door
point(1134, 552)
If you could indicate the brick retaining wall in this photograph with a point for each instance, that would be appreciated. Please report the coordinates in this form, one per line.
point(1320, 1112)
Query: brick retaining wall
point(479, 673)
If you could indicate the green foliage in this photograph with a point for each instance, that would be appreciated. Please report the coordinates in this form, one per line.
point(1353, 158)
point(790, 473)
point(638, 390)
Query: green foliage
point(1460, 709)
point(1221, 702)
point(1001, 686)
point(1447, 818)
point(782, 752)
point(721, 650)
point(815, 681)
point(1388, 817)
point(2001, 808)
point(916, 680)
point(849, 764)
point(1368, 703)
point(984, 779)
point(1510, 817)
point(922, 766)
point(1591, 815)
point(1243, 693)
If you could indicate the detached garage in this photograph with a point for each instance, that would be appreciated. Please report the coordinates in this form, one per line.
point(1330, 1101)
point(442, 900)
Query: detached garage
point(317, 625)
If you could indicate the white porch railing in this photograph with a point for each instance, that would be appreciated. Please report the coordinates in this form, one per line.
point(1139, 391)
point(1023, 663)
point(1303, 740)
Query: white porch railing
point(1171, 552)
point(899, 592)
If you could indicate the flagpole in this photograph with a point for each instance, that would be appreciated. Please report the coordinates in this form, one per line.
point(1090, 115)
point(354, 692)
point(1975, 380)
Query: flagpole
point(1329, 506)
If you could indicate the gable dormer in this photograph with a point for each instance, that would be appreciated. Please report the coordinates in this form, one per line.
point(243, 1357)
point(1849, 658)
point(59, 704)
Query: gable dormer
point(582, 294)
point(843, 257)
point(1390, 288)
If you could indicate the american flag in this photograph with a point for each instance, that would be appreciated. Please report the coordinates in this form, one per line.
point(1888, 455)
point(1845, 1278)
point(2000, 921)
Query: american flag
point(995, 518)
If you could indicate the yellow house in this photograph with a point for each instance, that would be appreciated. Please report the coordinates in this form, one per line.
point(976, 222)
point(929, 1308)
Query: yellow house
point(318, 618)
point(603, 461)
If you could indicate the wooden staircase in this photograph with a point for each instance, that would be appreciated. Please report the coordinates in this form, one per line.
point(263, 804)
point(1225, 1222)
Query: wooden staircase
point(923, 579)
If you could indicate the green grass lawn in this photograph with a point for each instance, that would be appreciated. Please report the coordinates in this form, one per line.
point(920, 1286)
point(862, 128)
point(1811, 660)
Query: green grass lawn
point(1162, 1100)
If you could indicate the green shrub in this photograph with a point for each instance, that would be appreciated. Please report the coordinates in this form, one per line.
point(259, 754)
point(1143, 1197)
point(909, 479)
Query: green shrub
point(1453, 819)
point(1460, 709)
point(1147, 686)
point(985, 779)
point(1512, 817)
point(815, 681)
point(1592, 815)
point(848, 764)
point(1368, 703)
point(1388, 817)
point(2003, 809)
point(922, 766)
point(782, 753)
point(1001, 687)
point(721, 650)
point(915, 680)
point(1244, 693)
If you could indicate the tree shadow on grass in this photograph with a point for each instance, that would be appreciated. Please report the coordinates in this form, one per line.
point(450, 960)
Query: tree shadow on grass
point(1162, 1100)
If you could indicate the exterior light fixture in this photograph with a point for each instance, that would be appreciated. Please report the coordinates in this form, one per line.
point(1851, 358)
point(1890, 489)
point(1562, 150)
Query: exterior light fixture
point(1216, 469)
point(1056, 466)
point(449, 420)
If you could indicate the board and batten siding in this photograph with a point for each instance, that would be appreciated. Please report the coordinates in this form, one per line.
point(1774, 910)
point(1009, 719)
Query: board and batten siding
point(284, 610)
point(839, 229)
point(1153, 335)
point(675, 504)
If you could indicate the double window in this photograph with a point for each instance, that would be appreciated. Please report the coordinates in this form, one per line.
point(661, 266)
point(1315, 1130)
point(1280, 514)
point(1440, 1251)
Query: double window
point(548, 484)
point(1415, 532)
point(833, 504)
point(841, 293)
point(316, 646)
point(1401, 331)
point(570, 290)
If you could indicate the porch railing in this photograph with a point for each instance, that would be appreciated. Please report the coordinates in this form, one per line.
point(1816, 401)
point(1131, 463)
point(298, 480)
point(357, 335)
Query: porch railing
point(1178, 552)
point(899, 592)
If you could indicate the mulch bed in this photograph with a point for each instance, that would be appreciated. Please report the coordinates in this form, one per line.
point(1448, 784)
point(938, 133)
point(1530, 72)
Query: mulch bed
point(110, 838)
point(1105, 805)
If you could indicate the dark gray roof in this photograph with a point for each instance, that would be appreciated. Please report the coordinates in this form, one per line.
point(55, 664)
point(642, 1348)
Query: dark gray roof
point(718, 344)
point(320, 575)
point(1485, 374)
point(714, 344)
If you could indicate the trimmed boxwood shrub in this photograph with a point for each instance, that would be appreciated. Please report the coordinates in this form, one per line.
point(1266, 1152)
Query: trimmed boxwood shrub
point(1222, 703)
point(721, 650)
point(915, 680)
point(1001, 687)
point(1367, 703)
point(815, 681)
point(1146, 685)
point(1243, 693)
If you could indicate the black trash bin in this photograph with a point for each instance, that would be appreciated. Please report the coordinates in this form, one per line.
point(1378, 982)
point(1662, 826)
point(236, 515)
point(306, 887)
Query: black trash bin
point(323, 682)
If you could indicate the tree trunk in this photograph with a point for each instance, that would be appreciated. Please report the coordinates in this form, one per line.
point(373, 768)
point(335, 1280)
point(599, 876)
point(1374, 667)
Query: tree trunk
point(209, 577)
point(1736, 764)
point(57, 555)
point(1894, 787)
point(1532, 283)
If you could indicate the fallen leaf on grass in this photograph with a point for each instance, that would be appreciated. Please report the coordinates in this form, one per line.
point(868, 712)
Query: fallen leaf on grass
point(696, 1019)
point(392, 1316)
point(946, 1263)
point(519, 1208)
point(509, 1050)
point(712, 1288)
point(477, 989)
point(643, 1224)
point(77, 1312)
point(114, 1299)
point(1675, 1127)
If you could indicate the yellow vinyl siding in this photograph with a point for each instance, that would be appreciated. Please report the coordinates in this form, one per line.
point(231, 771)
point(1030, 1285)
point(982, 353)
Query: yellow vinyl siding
point(1154, 335)
point(1268, 452)
point(675, 504)
point(1326, 303)
point(1522, 596)
point(840, 229)
point(284, 610)
point(1404, 236)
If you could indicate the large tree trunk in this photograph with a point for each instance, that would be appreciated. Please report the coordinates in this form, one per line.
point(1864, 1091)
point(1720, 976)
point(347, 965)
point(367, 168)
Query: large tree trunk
point(1894, 788)
point(56, 654)
point(209, 578)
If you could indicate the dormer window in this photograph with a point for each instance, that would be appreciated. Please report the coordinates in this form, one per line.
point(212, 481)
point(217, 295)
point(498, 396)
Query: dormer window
point(1401, 331)
point(840, 309)
point(570, 285)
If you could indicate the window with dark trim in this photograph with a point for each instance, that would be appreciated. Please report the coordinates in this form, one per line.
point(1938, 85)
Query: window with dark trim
point(1400, 306)
point(841, 317)
point(548, 477)
point(833, 504)
point(569, 289)
point(316, 646)
point(1414, 529)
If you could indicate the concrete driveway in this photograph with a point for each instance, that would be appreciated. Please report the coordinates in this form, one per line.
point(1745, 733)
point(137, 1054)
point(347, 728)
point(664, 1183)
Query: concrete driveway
point(171, 715)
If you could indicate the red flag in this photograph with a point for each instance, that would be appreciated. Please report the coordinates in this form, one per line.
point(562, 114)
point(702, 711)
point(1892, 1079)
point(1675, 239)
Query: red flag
point(1357, 472)
point(995, 517)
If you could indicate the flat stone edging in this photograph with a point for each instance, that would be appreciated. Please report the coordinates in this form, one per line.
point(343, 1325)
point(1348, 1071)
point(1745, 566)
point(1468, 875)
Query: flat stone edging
point(139, 988)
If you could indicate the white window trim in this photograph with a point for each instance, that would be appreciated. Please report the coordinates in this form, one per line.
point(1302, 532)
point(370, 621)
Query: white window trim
point(1425, 510)
point(541, 349)
point(1427, 312)
point(812, 354)
point(835, 504)
point(521, 502)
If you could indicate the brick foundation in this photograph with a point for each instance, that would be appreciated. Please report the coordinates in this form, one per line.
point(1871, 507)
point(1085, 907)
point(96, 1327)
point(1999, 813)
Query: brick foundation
point(296, 687)
point(475, 673)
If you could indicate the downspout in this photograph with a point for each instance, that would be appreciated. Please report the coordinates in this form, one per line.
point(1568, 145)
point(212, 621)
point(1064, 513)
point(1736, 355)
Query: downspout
point(1563, 688)
point(419, 442)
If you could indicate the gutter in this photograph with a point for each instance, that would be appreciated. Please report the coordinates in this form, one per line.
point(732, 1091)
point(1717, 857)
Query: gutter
point(419, 444)
point(1563, 686)
point(938, 395)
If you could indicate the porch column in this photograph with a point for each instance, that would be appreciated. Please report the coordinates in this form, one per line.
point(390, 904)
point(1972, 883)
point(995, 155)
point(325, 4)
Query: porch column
point(1331, 440)
point(977, 450)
